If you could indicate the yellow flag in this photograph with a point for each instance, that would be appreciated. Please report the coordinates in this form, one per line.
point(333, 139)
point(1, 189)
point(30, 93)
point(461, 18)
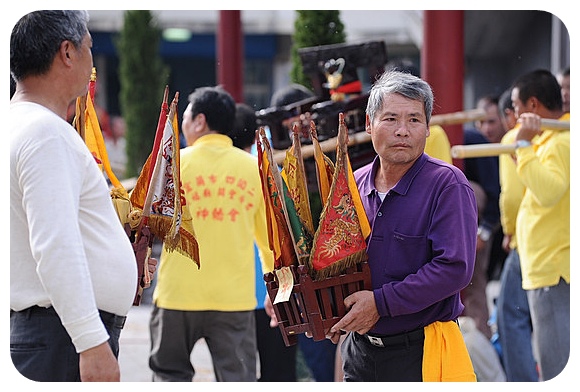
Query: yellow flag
point(360, 210)
point(295, 176)
point(296, 198)
point(324, 166)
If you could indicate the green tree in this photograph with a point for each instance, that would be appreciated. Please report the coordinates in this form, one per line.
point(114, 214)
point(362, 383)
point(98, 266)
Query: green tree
point(142, 77)
point(313, 28)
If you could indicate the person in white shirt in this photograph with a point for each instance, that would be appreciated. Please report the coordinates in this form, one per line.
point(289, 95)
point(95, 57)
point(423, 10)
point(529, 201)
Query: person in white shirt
point(73, 274)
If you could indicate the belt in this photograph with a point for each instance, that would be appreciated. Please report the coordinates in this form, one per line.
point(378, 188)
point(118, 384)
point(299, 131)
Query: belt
point(107, 317)
point(402, 339)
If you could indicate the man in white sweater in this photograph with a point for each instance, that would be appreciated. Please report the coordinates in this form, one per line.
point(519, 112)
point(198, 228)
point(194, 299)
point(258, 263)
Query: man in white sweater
point(73, 275)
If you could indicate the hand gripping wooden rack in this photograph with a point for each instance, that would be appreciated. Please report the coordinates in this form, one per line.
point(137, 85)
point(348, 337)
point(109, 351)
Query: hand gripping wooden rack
point(315, 306)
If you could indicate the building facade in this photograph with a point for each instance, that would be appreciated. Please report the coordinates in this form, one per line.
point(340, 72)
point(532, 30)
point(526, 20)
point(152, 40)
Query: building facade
point(498, 46)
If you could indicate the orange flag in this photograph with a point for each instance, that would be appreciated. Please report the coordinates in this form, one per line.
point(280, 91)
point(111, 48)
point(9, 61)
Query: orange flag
point(279, 235)
point(324, 166)
point(87, 125)
point(339, 242)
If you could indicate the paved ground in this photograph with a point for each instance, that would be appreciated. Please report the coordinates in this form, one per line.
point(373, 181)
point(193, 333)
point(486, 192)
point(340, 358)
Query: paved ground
point(134, 350)
point(134, 343)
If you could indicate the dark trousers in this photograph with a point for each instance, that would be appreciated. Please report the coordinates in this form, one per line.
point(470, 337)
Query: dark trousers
point(402, 361)
point(42, 350)
point(230, 338)
point(277, 362)
point(320, 357)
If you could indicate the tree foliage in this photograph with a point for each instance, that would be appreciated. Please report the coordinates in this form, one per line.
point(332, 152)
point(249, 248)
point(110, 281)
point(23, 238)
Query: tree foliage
point(312, 28)
point(142, 77)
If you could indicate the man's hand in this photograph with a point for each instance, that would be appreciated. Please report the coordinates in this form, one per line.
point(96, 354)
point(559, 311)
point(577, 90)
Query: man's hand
point(151, 268)
point(480, 244)
point(505, 243)
point(152, 264)
point(99, 364)
point(269, 308)
point(530, 126)
point(361, 317)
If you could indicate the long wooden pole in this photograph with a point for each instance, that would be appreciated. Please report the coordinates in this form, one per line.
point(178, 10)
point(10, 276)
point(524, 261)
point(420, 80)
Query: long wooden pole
point(363, 137)
point(494, 149)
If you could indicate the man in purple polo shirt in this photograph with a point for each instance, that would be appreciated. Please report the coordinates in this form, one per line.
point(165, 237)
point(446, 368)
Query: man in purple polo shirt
point(421, 249)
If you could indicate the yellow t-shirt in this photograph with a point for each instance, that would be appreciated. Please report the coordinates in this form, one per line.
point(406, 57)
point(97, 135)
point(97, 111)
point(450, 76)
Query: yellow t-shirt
point(543, 221)
point(512, 189)
point(223, 190)
point(437, 144)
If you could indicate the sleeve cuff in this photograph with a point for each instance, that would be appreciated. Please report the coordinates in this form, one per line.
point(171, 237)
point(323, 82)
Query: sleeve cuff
point(87, 333)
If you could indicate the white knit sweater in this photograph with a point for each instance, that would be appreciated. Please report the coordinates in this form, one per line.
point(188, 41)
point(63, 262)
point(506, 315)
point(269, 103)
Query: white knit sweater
point(67, 246)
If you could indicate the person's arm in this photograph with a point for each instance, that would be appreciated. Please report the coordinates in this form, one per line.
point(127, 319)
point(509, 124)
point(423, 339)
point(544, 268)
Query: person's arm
point(550, 179)
point(512, 190)
point(450, 257)
point(52, 177)
point(261, 236)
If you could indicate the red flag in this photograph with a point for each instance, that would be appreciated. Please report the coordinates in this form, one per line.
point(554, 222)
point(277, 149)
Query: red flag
point(139, 192)
point(339, 242)
point(165, 211)
point(158, 206)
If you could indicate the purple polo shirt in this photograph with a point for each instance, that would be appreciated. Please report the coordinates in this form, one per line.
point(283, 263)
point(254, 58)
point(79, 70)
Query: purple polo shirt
point(422, 245)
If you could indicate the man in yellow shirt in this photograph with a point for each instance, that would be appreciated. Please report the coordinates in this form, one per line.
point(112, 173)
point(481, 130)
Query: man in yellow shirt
point(543, 220)
point(513, 312)
point(217, 301)
point(437, 144)
point(564, 80)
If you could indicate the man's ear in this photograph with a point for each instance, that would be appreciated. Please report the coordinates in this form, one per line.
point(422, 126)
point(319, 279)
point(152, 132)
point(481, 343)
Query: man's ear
point(65, 51)
point(534, 104)
point(199, 125)
point(199, 122)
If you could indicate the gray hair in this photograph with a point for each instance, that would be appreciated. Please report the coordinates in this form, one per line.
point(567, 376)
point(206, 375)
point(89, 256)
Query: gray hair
point(403, 83)
point(37, 36)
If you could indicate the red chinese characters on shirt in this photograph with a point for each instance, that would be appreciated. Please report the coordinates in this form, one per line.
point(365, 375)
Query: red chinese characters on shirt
point(205, 187)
